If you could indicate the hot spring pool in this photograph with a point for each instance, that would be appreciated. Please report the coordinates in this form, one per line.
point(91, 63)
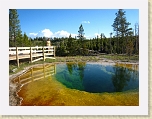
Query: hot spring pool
point(79, 84)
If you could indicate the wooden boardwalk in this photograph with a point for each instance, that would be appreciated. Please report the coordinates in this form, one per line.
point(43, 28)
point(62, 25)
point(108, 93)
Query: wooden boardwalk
point(17, 53)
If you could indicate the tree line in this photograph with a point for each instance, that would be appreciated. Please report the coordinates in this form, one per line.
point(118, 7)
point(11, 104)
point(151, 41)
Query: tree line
point(122, 40)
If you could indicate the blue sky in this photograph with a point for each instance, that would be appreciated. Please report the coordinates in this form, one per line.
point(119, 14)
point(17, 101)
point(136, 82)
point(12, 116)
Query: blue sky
point(62, 22)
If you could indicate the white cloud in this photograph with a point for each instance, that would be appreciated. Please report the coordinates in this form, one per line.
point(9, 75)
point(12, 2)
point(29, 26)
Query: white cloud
point(74, 35)
point(86, 22)
point(61, 33)
point(47, 33)
point(33, 34)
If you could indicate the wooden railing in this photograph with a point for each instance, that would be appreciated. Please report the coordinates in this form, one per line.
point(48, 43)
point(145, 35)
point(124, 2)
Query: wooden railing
point(36, 73)
point(16, 53)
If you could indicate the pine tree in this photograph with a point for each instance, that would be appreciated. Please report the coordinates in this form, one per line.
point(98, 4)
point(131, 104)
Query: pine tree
point(105, 44)
point(121, 27)
point(101, 42)
point(19, 39)
point(82, 47)
point(26, 41)
point(81, 33)
point(14, 27)
point(62, 48)
point(98, 43)
point(110, 42)
point(70, 45)
point(129, 47)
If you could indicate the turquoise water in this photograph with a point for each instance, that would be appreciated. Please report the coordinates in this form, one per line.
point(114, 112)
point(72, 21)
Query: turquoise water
point(97, 78)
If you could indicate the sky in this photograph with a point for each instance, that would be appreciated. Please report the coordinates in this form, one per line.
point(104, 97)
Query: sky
point(63, 22)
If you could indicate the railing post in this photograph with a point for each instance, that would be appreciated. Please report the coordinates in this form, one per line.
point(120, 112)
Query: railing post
point(54, 51)
point(17, 59)
point(31, 54)
point(43, 54)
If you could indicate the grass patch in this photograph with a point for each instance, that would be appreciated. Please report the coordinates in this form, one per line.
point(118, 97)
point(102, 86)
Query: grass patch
point(121, 57)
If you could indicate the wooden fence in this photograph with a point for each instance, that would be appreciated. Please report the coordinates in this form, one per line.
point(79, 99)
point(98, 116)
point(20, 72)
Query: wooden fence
point(36, 73)
point(16, 53)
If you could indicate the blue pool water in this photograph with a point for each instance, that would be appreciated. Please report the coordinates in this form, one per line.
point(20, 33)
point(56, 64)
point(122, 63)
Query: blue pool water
point(97, 78)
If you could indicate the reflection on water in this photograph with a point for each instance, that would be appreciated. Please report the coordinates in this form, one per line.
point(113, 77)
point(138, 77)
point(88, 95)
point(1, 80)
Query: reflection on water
point(125, 75)
point(98, 78)
point(71, 74)
point(80, 66)
point(36, 73)
point(121, 77)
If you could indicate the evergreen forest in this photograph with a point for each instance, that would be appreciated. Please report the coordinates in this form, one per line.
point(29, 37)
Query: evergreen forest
point(122, 40)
